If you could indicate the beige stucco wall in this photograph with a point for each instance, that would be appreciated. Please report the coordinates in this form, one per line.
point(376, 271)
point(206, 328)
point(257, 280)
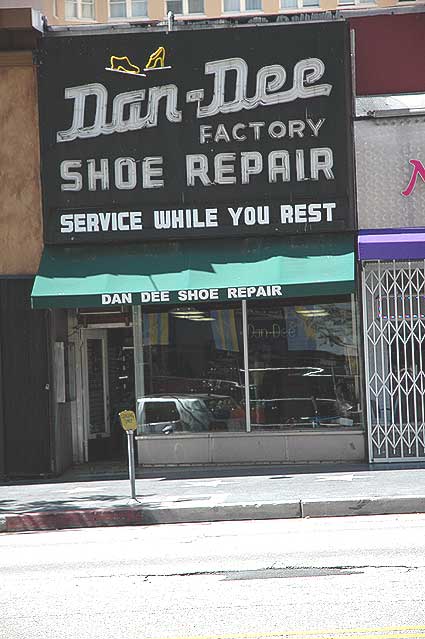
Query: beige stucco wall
point(20, 194)
point(327, 4)
point(157, 9)
point(213, 8)
point(271, 6)
point(101, 11)
point(385, 3)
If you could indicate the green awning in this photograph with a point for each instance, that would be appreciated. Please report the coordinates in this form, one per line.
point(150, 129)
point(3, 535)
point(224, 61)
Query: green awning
point(193, 271)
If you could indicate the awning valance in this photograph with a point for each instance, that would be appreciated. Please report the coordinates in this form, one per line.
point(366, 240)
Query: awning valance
point(190, 272)
point(397, 244)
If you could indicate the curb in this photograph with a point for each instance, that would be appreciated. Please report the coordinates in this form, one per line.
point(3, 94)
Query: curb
point(405, 505)
point(61, 519)
point(144, 516)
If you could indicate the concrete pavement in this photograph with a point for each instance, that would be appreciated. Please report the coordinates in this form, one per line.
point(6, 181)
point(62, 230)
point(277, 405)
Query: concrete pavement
point(99, 495)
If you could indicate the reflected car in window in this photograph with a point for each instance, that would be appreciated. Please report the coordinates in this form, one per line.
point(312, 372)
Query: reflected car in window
point(302, 396)
point(167, 414)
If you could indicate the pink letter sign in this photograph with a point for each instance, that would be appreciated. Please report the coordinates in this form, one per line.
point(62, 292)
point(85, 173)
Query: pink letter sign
point(418, 169)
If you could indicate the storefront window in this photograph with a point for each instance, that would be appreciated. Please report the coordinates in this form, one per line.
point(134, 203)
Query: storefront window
point(193, 371)
point(302, 358)
point(303, 366)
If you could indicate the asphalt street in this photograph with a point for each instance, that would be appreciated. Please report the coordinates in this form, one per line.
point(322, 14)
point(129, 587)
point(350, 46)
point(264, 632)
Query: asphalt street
point(327, 578)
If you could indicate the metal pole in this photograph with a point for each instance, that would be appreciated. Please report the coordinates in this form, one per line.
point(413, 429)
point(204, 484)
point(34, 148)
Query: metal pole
point(139, 367)
point(131, 469)
point(246, 365)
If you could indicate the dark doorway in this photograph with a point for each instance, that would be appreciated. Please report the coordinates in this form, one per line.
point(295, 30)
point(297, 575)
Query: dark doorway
point(25, 382)
point(110, 389)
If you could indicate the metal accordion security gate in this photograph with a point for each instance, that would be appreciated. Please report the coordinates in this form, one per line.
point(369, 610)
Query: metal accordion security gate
point(394, 340)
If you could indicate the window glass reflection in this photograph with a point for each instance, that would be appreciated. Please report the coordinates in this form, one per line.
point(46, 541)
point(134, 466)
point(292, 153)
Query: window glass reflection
point(193, 363)
point(303, 366)
point(302, 360)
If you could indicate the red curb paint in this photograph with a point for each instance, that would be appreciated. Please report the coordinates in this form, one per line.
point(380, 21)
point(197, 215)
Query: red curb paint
point(57, 520)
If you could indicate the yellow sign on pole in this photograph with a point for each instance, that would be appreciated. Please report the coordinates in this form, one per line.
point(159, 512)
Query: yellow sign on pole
point(128, 420)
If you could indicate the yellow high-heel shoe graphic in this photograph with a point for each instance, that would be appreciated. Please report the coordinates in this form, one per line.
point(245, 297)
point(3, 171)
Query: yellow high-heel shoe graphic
point(156, 60)
point(122, 64)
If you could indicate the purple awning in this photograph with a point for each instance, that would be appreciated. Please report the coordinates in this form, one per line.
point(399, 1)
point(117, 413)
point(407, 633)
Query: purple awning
point(392, 245)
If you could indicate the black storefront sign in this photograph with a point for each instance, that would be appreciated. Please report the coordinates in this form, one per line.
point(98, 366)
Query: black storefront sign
point(216, 132)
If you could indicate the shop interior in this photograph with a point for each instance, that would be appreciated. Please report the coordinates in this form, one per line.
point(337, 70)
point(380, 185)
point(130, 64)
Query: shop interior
point(302, 362)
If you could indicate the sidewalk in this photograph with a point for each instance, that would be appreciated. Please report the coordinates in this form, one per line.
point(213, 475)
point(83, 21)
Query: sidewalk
point(99, 495)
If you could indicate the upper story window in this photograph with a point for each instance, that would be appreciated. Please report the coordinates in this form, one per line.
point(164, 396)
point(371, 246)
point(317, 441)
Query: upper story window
point(79, 9)
point(128, 8)
point(348, 2)
point(186, 7)
point(238, 6)
point(298, 4)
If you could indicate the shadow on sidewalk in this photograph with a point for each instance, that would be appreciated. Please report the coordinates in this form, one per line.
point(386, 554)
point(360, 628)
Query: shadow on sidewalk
point(8, 506)
point(104, 471)
point(97, 472)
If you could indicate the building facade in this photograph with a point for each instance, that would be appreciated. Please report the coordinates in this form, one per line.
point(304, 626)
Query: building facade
point(199, 243)
point(391, 249)
point(30, 444)
point(74, 12)
point(199, 231)
point(389, 145)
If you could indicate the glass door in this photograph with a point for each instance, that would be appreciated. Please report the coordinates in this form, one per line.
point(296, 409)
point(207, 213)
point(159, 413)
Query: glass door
point(96, 392)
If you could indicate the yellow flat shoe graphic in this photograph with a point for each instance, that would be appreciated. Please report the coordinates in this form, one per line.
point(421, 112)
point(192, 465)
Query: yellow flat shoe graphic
point(122, 64)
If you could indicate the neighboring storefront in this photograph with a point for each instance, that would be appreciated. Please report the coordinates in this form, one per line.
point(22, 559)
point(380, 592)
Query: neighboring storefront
point(391, 200)
point(35, 428)
point(199, 230)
